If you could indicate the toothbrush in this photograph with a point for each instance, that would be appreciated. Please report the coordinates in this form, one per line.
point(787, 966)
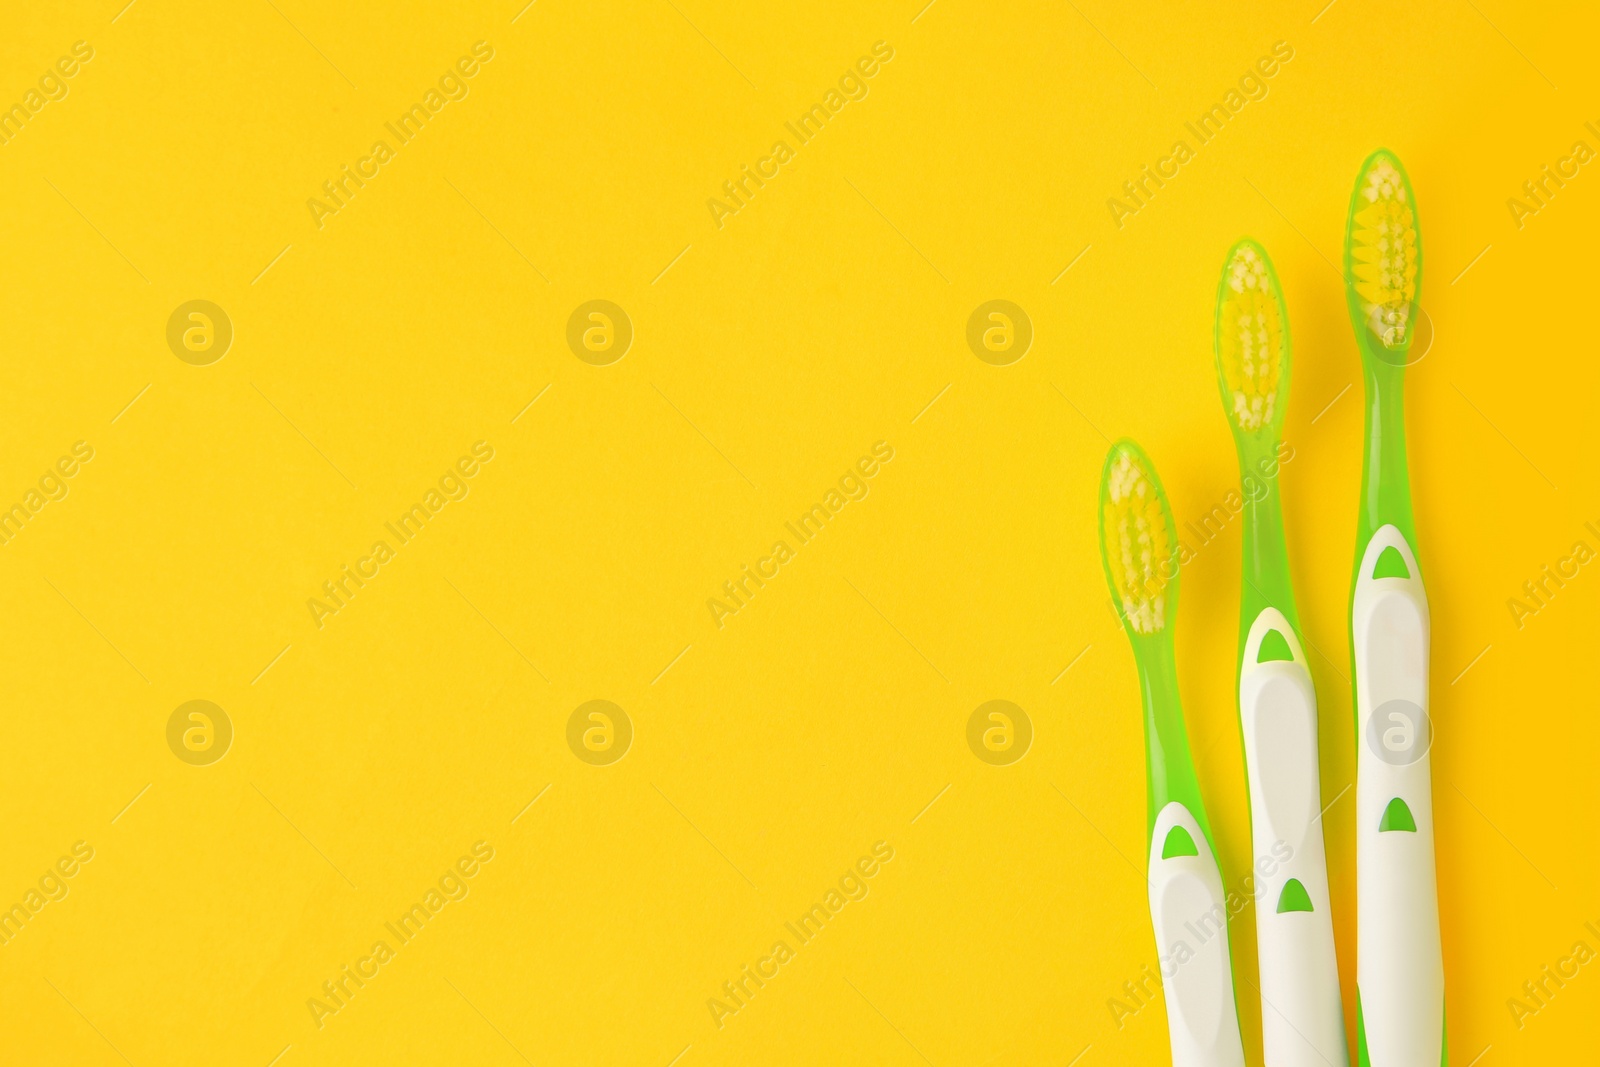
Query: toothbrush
point(1399, 966)
point(1302, 1016)
point(1139, 548)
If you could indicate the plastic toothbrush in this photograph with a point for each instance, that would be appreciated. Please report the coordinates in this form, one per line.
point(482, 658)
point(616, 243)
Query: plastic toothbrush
point(1139, 547)
point(1302, 1015)
point(1399, 967)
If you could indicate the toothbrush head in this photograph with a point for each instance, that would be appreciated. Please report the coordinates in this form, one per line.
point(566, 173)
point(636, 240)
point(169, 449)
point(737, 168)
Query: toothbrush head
point(1252, 341)
point(1383, 258)
point(1138, 543)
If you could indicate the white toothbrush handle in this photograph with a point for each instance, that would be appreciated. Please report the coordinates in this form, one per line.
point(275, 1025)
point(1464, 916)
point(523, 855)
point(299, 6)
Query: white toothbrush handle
point(1302, 1015)
point(1190, 916)
point(1399, 965)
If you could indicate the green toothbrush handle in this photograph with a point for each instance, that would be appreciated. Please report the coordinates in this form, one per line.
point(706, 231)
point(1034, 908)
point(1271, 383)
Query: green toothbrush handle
point(1169, 769)
point(1302, 1014)
point(1385, 478)
point(1266, 556)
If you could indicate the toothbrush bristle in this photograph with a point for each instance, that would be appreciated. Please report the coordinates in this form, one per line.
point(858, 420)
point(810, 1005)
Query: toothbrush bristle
point(1384, 253)
point(1138, 541)
point(1250, 338)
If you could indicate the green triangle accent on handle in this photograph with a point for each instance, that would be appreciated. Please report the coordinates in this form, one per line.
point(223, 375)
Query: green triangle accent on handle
point(1397, 817)
point(1274, 646)
point(1391, 564)
point(1178, 843)
point(1294, 897)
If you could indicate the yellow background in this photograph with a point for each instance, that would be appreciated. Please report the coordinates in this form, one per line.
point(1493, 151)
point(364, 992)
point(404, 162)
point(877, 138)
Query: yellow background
point(821, 318)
